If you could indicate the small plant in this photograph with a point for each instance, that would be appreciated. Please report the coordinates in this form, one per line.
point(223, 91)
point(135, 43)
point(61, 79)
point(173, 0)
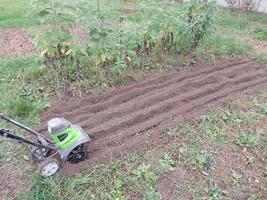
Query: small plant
point(145, 172)
point(199, 22)
point(247, 140)
point(167, 163)
point(204, 161)
point(214, 192)
point(236, 178)
point(116, 193)
point(214, 127)
point(250, 160)
point(170, 134)
point(231, 117)
point(264, 108)
point(184, 129)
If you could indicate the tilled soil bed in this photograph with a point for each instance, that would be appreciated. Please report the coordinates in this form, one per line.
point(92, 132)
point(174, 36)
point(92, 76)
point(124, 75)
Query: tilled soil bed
point(129, 118)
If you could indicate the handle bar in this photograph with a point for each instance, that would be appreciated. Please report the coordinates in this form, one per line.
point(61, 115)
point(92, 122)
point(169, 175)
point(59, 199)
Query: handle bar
point(43, 140)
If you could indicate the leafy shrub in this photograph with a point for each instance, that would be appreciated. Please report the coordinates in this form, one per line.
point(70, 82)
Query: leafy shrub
point(57, 43)
point(125, 44)
point(199, 22)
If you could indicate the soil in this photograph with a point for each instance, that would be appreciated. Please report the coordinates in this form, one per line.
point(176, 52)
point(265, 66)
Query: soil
point(125, 119)
point(80, 32)
point(14, 43)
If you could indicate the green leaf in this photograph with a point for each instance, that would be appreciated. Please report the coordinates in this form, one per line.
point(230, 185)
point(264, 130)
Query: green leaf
point(43, 13)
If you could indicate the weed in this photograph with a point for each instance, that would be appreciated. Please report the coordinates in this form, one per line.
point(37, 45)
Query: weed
point(236, 178)
point(214, 192)
point(117, 193)
point(167, 163)
point(145, 174)
point(215, 123)
point(144, 171)
point(152, 194)
point(247, 140)
point(184, 128)
point(250, 160)
point(212, 126)
point(177, 152)
point(204, 161)
point(264, 108)
point(262, 58)
point(170, 134)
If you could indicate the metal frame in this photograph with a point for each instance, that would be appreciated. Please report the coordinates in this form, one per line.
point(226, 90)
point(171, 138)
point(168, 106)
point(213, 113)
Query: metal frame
point(42, 141)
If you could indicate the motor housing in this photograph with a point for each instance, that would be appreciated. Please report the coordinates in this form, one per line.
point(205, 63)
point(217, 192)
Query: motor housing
point(67, 137)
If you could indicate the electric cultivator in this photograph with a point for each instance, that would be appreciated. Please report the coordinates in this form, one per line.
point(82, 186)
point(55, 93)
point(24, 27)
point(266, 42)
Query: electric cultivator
point(68, 144)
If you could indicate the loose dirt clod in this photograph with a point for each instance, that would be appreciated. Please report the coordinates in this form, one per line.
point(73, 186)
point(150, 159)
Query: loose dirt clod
point(124, 119)
point(14, 43)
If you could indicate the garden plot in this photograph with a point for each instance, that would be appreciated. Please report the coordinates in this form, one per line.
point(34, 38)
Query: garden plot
point(122, 120)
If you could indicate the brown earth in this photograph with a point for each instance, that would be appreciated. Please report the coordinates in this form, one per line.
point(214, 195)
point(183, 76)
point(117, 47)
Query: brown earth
point(14, 43)
point(129, 118)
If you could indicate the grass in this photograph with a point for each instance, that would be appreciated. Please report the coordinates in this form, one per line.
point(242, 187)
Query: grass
point(215, 46)
point(261, 34)
point(105, 182)
point(22, 87)
point(198, 147)
point(247, 29)
point(16, 14)
point(248, 139)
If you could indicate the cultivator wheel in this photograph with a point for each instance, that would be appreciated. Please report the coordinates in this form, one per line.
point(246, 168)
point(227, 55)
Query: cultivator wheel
point(78, 154)
point(39, 153)
point(48, 167)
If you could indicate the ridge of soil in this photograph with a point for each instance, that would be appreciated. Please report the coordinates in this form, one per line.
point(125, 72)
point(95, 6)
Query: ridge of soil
point(14, 43)
point(133, 117)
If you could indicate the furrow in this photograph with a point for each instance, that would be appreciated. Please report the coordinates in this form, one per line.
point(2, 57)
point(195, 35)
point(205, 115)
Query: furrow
point(212, 100)
point(162, 108)
point(137, 90)
point(92, 120)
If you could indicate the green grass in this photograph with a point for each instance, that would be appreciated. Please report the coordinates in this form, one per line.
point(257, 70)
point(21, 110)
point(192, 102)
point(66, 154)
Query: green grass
point(15, 14)
point(237, 22)
point(215, 46)
point(261, 34)
point(21, 86)
point(248, 139)
point(99, 183)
